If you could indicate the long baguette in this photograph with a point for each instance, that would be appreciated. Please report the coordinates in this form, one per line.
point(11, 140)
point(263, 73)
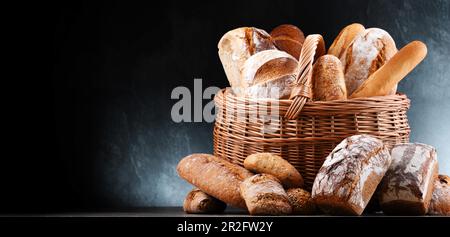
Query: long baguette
point(382, 81)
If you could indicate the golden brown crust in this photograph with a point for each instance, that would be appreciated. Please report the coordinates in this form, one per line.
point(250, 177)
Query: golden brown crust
point(275, 165)
point(440, 201)
point(344, 38)
point(288, 38)
point(386, 78)
point(197, 201)
point(301, 201)
point(214, 176)
point(328, 77)
point(366, 54)
point(264, 195)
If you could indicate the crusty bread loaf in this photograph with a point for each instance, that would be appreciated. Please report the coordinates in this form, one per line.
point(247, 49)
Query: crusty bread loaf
point(301, 201)
point(440, 200)
point(236, 46)
point(407, 187)
point(214, 176)
point(275, 165)
point(345, 37)
point(288, 38)
point(197, 201)
point(350, 174)
point(328, 79)
point(264, 195)
point(386, 78)
point(366, 54)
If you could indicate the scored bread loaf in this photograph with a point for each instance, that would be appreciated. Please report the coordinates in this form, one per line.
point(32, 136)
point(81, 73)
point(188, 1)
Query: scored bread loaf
point(301, 201)
point(275, 165)
point(236, 46)
point(440, 200)
point(264, 195)
point(407, 187)
point(288, 38)
point(328, 79)
point(365, 55)
point(197, 201)
point(350, 174)
point(344, 38)
point(386, 78)
point(214, 176)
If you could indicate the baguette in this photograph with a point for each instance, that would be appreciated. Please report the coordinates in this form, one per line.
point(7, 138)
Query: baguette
point(344, 39)
point(382, 81)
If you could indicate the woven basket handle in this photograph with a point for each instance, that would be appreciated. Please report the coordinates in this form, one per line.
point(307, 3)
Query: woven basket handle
point(313, 47)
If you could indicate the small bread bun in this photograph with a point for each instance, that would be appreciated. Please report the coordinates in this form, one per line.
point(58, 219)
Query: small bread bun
point(440, 200)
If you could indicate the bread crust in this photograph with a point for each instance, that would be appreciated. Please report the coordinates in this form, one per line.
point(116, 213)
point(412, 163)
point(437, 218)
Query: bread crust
point(214, 176)
point(328, 79)
point(440, 200)
point(344, 38)
point(198, 202)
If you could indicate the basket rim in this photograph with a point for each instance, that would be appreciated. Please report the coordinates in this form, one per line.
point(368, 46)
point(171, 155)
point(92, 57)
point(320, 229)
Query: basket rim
point(226, 92)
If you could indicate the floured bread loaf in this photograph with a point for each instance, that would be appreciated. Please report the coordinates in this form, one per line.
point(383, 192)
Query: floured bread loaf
point(367, 52)
point(440, 201)
point(350, 174)
point(264, 195)
point(236, 46)
point(329, 82)
point(408, 185)
point(269, 74)
point(288, 38)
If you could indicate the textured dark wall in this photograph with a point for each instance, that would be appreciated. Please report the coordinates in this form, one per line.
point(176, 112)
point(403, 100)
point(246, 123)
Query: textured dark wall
point(115, 65)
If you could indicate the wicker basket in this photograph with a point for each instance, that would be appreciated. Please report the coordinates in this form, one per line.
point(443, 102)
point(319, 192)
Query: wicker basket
point(303, 138)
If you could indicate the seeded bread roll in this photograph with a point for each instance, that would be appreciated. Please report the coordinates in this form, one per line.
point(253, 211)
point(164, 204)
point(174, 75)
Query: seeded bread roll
point(301, 201)
point(345, 37)
point(236, 46)
point(199, 202)
point(365, 55)
point(440, 200)
point(214, 176)
point(408, 185)
point(264, 195)
point(328, 77)
point(350, 174)
point(275, 165)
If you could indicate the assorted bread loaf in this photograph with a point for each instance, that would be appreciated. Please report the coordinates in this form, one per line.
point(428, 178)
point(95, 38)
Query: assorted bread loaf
point(350, 174)
point(440, 200)
point(408, 184)
point(364, 61)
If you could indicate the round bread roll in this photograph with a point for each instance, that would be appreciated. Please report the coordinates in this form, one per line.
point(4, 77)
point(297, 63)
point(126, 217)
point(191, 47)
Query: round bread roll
point(440, 200)
point(288, 38)
point(328, 77)
point(345, 37)
point(366, 54)
point(301, 201)
point(269, 74)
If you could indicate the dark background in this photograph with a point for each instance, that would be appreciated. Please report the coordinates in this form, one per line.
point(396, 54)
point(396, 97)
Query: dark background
point(95, 129)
